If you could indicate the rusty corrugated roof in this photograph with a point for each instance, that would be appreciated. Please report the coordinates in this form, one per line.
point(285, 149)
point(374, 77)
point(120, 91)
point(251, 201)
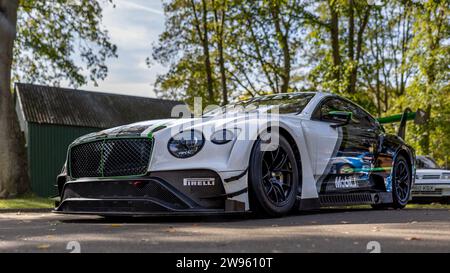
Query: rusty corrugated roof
point(63, 106)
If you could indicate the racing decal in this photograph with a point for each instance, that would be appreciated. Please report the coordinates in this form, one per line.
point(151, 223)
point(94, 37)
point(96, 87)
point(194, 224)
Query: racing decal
point(156, 126)
point(198, 182)
point(352, 161)
point(345, 182)
point(329, 166)
point(236, 177)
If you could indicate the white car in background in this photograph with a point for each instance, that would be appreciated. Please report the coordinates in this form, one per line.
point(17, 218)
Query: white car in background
point(432, 181)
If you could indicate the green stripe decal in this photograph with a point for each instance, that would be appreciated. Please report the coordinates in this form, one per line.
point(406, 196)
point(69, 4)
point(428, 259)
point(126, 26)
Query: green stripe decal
point(378, 169)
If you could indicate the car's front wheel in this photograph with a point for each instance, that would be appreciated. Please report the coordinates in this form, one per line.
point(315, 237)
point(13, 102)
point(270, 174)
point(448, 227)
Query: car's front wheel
point(273, 179)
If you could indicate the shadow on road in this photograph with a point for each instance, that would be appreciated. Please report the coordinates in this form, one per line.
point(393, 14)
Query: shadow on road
point(205, 218)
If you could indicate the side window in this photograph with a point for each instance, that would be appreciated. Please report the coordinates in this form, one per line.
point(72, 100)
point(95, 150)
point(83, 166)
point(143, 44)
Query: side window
point(337, 104)
point(367, 120)
point(359, 117)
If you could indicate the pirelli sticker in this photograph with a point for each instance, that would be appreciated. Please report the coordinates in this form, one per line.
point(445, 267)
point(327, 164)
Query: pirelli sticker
point(198, 182)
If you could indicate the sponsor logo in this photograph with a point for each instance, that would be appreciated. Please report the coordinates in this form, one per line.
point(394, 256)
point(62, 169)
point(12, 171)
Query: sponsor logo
point(345, 182)
point(198, 182)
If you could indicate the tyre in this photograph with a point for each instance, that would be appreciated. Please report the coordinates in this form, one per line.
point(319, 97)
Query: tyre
point(401, 183)
point(273, 179)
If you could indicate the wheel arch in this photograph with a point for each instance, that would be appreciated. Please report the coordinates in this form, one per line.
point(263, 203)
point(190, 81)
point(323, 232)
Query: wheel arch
point(408, 154)
point(288, 136)
point(296, 151)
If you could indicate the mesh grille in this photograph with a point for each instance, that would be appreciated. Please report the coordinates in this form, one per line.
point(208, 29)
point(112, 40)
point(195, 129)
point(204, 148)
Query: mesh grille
point(122, 190)
point(110, 157)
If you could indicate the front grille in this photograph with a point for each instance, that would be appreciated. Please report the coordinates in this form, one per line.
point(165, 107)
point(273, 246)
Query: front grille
point(147, 189)
point(110, 158)
point(420, 192)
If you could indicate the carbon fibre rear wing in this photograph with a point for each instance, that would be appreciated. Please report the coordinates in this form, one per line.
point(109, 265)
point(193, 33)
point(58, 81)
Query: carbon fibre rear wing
point(419, 117)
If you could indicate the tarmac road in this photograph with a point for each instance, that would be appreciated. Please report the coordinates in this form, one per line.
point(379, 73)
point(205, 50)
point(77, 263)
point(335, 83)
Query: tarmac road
point(333, 230)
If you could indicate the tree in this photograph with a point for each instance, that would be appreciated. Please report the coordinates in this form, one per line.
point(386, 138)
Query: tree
point(39, 40)
point(253, 43)
point(188, 27)
point(12, 177)
point(338, 40)
point(430, 52)
point(387, 68)
point(220, 13)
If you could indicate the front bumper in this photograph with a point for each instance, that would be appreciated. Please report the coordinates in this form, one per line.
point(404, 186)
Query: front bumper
point(431, 190)
point(158, 193)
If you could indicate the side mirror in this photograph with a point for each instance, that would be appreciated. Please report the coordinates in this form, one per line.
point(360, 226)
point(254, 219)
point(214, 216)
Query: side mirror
point(341, 118)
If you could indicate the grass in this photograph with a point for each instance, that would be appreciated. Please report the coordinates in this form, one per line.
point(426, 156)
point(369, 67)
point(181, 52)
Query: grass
point(428, 206)
point(27, 202)
point(409, 206)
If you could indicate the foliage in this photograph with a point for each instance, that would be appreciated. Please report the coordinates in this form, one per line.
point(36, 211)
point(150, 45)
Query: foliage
point(52, 37)
point(44, 41)
point(385, 55)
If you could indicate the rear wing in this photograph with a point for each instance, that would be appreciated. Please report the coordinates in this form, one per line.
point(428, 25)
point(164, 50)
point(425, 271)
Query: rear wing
point(419, 117)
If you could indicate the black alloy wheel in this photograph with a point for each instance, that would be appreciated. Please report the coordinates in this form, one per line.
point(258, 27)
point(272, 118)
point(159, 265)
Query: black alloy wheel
point(401, 182)
point(273, 179)
point(277, 176)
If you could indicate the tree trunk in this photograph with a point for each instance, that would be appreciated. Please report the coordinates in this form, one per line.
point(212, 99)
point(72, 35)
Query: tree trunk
point(202, 32)
point(283, 42)
point(351, 40)
point(223, 75)
point(220, 24)
point(351, 30)
point(13, 168)
point(209, 77)
point(425, 140)
point(334, 32)
point(359, 42)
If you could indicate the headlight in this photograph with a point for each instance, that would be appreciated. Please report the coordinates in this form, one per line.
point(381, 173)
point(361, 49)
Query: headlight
point(186, 144)
point(222, 136)
point(445, 176)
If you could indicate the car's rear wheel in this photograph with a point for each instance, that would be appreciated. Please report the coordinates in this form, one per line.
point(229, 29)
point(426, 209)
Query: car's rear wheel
point(273, 179)
point(401, 182)
point(401, 185)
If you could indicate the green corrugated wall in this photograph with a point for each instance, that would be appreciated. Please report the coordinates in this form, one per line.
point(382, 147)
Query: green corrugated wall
point(47, 149)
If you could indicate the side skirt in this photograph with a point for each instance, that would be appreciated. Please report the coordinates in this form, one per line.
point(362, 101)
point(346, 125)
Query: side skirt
point(344, 199)
point(355, 199)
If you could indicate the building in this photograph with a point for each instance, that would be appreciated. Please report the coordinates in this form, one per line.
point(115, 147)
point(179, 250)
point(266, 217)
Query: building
point(51, 118)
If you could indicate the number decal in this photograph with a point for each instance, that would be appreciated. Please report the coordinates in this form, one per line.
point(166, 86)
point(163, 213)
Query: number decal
point(74, 246)
point(374, 247)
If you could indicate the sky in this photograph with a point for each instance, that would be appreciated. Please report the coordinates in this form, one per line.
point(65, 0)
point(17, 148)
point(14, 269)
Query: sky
point(134, 25)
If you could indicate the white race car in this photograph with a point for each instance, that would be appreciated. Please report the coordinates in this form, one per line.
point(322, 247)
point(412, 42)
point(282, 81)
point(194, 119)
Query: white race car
point(432, 181)
point(270, 154)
